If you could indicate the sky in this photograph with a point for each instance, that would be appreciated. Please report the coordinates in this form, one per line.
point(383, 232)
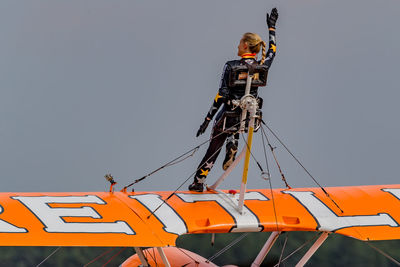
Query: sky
point(94, 87)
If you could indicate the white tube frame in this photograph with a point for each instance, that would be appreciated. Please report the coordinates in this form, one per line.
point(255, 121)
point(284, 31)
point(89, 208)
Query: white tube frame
point(229, 170)
point(142, 258)
point(313, 249)
point(163, 257)
point(265, 249)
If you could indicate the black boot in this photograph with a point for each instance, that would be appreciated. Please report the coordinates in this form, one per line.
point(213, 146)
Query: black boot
point(196, 187)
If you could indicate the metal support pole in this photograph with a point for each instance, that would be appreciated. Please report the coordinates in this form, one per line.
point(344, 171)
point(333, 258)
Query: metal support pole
point(265, 249)
point(313, 249)
point(163, 257)
point(247, 158)
point(244, 110)
point(141, 256)
point(229, 170)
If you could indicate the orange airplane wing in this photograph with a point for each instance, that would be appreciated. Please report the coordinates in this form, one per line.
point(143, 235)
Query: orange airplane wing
point(145, 220)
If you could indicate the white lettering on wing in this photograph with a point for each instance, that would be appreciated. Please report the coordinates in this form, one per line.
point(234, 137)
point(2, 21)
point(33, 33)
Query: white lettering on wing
point(245, 222)
point(329, 221)
point(6, 227)
point(172, 222)
point(394, 191)
point(52, 218)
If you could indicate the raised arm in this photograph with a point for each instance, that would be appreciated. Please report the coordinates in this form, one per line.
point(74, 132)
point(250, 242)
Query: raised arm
point(271, 23)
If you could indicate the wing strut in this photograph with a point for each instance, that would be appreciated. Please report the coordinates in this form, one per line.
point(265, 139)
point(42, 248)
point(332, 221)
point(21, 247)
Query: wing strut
point(142, 258)
point(313, 249)
point(265, 249)
point(163, 257)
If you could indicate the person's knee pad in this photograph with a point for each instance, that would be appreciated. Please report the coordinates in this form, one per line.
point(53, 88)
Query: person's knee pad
point(232, 143)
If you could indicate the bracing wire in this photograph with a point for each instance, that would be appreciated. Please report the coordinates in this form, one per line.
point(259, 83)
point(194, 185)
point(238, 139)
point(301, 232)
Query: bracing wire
point(99, 256)
point(383, 253)
point(270, 183)
point(168, 164)
point(262, 172)
point(223, 250)
point(265, 153)
point(304, 168)
point(201, 166)
point(155, 257)
point(151, 256)
point(48, 257)
point(299, 248)
point(275, 158)
point(194, 260)
point(252, 155)
point(180, 158)
point(115, 255)
point(283, 249)
point(187, 179)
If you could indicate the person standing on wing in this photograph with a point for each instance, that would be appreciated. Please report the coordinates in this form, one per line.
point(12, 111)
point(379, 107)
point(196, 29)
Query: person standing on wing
point(249, 46)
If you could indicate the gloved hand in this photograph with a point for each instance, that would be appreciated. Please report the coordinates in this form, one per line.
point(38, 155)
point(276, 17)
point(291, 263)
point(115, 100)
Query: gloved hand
point(271, 19)
point(203, 127)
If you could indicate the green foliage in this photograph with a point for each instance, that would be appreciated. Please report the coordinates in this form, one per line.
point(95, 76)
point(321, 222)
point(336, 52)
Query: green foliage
point(336, 251)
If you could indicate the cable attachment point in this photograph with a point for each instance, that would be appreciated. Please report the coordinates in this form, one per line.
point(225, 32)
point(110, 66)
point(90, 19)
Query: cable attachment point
point(265, 175)
point(110, 178)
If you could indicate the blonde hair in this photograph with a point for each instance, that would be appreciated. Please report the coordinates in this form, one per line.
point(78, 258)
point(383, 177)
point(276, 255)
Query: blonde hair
point(255, 42)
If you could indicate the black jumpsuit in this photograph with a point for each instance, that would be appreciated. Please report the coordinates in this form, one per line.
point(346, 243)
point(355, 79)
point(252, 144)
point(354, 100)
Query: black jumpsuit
point(223, 98)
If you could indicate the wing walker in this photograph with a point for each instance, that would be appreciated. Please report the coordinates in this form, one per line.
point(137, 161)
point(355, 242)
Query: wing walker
point(150, 222)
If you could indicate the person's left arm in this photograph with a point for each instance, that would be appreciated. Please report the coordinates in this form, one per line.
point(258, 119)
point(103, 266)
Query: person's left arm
point(271, 22)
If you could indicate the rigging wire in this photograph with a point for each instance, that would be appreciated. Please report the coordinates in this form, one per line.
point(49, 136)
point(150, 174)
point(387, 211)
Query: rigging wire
point(383, 253)
point(196, 262)
point(252, 155)
point(304, 168)
point(190, 176)
point(201, 166)
point(299, 248)
point(151, 256)
point(283, 249)
point(115, 255)
point(99, 256)
point(155, 256)
point(48, 257)
point(168, 164)
point(270, 183)
point(276, 160)
point(223, 250)
point(178, 159)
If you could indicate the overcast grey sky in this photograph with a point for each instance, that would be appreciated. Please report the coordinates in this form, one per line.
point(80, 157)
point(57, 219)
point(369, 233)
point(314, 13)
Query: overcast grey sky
point(90, 87)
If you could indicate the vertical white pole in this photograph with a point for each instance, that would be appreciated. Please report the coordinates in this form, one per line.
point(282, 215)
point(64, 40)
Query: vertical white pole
point(265, 249)
point(245, 106)
point(163, 257)
point(312, 250)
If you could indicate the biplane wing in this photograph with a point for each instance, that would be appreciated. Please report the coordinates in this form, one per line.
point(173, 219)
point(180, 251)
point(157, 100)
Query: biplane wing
point(144, 219)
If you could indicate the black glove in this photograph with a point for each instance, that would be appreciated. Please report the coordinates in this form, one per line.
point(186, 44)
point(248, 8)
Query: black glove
point(203, 127)
point(271, 19)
